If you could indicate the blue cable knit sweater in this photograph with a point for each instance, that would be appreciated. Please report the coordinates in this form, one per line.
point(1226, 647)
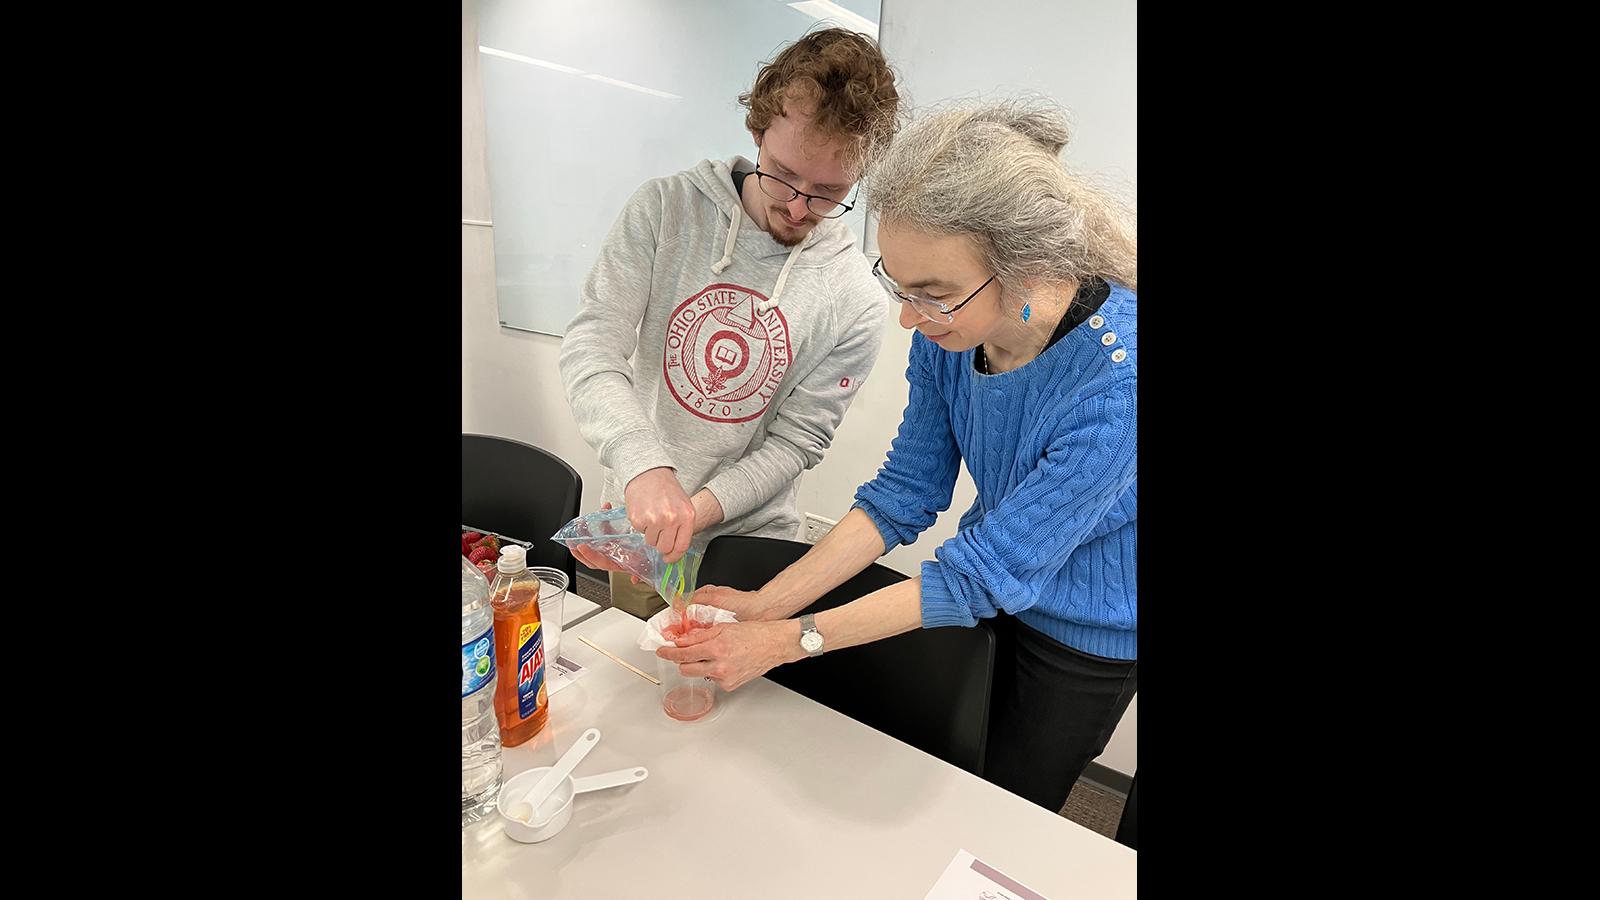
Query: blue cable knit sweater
point(1052, 449)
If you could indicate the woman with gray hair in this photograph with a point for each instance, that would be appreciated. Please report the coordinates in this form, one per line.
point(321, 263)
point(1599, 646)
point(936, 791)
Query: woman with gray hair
point(1019, 280)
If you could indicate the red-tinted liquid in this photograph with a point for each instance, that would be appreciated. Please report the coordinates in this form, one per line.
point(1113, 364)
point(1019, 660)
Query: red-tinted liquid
point(693, 700)
point(679, 629)
point(687, 703)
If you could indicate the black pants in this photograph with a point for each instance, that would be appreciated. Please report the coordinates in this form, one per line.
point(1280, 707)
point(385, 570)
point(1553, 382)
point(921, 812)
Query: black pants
point(1053, 710)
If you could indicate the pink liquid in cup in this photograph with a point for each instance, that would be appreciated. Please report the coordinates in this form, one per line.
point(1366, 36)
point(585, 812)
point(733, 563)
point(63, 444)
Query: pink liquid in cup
point(692, 700)
point(687, 703)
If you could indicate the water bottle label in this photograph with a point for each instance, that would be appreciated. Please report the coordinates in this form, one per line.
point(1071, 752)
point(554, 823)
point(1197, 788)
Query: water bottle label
point(477, 663)
point(530, 668)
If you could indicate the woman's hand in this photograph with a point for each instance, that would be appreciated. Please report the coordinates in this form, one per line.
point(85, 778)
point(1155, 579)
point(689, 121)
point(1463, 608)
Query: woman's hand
point(735, 653)
point(749, 606)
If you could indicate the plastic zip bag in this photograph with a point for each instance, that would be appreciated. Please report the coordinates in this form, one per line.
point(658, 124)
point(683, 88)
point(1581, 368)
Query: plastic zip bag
point(608, 533)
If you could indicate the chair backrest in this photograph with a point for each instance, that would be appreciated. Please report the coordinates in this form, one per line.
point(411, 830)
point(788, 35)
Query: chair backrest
point(1128, 825)
point(523, 492)
point(929, 687)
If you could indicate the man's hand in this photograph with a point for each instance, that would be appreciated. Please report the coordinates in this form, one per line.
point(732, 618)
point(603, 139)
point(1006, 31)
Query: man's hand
point(594, 560)
point(660, 510)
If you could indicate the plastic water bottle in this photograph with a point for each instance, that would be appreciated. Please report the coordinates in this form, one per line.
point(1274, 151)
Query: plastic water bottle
point(480, 730)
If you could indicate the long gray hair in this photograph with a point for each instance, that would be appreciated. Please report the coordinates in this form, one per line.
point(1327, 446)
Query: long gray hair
point(992, 171)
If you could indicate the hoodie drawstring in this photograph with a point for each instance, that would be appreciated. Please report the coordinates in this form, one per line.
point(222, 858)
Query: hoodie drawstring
point(727, 246)
point(727, 259)
point(783, 276)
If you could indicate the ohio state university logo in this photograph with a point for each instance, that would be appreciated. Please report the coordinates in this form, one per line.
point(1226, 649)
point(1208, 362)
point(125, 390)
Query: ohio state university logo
point(723, 360)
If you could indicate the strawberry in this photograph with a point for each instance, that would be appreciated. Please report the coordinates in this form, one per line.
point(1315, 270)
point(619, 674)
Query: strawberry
point(488, 569)
point(491, 541)
point(468, 538)
point(483, 554)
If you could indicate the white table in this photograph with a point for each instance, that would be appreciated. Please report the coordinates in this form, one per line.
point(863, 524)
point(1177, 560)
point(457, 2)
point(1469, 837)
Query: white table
point(777, 796)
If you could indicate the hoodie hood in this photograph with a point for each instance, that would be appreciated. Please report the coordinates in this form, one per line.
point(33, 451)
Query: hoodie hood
point(826, 240)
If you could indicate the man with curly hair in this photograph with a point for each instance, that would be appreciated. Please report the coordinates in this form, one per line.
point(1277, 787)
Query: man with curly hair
point(731, 317)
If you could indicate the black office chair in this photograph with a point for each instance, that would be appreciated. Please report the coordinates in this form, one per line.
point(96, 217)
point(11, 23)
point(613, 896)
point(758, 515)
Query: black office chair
point(520, 491)
point(1128, 828)
point(928, 687)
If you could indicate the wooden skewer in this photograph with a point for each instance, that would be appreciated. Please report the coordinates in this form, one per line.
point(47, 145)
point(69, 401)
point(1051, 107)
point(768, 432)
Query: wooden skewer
point(619, 661)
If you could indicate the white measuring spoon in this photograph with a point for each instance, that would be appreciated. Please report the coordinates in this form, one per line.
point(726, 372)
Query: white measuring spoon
point(530, 801)
point(608, 780)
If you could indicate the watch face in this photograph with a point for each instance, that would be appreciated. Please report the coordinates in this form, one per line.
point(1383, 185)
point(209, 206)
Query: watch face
point(811, 642)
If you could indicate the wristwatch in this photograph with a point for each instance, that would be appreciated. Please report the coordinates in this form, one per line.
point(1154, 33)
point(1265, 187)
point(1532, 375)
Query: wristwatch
point(810, 640)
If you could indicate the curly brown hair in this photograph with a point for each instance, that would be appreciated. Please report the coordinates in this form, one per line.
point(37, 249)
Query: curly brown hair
point(841, 79)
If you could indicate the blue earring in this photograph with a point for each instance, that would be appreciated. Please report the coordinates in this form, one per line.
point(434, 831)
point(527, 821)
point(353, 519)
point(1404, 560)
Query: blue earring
point(1027, 310)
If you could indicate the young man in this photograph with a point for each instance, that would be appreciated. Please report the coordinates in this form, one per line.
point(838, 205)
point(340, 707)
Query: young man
point(753, 312)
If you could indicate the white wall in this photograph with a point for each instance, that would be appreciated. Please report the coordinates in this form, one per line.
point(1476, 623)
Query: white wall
point(1122, 753)
point(510, 381)
point(1081, 53)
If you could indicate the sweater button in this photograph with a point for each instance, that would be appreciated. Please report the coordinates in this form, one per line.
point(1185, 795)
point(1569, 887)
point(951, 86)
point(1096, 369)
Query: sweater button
point(1108, 338)
point(1119, 355)
point(1096, 321)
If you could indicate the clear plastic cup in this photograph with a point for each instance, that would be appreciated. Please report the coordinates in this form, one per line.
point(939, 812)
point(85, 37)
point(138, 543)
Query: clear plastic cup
point(552, 597)
point(682, 698)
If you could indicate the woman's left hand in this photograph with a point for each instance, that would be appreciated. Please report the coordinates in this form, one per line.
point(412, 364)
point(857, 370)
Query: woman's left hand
point(734, 653)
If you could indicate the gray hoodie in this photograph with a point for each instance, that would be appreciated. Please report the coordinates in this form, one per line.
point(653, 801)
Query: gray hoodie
point(745, 354)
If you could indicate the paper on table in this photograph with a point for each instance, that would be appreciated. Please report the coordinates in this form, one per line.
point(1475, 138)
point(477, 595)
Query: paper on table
point(563, 672)
point(970, 878)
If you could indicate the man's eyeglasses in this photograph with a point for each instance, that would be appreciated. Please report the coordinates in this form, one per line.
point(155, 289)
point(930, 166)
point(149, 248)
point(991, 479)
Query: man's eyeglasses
point(927, 307)
point(784, 192)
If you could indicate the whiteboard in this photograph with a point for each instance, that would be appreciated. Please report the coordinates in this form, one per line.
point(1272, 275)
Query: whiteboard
point(585, 100)
point(1083, 54)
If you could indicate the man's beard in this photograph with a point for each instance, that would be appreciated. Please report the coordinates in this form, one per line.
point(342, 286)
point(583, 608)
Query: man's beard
point(788, 238)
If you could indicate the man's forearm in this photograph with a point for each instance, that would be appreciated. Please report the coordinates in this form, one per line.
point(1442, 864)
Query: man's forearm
point(707, 510)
